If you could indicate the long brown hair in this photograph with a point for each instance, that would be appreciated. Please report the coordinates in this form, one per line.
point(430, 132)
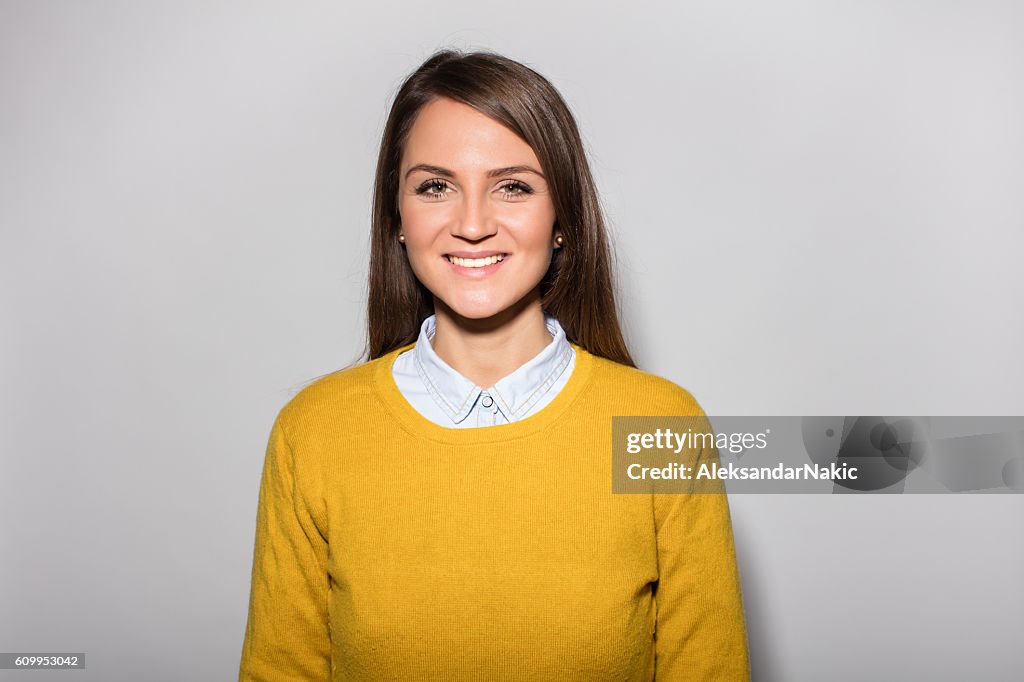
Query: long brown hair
point(577, 290)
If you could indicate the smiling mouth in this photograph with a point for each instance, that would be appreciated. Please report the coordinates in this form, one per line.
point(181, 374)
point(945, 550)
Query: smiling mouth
point(475, 262)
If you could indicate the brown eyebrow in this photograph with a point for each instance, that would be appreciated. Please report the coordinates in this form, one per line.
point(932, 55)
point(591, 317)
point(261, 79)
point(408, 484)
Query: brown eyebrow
point(444, 172)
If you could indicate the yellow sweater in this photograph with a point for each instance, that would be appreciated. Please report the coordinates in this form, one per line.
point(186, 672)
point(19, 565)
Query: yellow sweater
point(391, 548)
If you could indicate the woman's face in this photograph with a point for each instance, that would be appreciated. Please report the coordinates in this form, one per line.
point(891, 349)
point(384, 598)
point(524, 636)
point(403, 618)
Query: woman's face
point(475, 209)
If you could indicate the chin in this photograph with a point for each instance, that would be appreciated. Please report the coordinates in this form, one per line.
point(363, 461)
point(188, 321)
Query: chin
point(479, 308)
point(476, 312)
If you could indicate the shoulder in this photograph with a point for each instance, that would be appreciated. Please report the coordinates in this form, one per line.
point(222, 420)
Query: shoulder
point(335, 397)
point(638, 389)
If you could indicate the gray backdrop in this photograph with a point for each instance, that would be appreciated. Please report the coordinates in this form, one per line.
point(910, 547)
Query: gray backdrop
point(817, 209)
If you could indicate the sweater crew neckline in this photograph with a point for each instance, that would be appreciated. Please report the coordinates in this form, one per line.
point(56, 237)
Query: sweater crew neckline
point(421, 427)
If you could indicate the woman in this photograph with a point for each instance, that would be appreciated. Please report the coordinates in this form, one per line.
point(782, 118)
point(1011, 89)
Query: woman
point(444, 511)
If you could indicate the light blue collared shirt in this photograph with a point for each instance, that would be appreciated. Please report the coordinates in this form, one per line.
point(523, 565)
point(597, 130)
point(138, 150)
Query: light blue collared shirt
point(447, 398)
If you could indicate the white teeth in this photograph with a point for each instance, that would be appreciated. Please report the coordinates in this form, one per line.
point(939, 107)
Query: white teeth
point(475, 262)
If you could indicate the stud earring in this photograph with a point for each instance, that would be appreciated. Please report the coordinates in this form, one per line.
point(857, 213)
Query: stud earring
point(559, 240)
point(401, 237)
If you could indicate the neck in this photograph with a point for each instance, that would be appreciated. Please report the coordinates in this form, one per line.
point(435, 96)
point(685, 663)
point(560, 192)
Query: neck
point(486, 350)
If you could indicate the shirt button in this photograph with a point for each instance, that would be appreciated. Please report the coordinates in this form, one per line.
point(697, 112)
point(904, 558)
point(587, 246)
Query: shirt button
point(487, 400)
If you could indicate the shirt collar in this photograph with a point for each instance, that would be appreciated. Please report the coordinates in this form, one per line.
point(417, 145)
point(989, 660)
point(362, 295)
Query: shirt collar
point(513, 395)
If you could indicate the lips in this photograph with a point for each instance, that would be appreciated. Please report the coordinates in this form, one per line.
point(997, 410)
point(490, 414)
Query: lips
point(476, 261)
point(476, 264)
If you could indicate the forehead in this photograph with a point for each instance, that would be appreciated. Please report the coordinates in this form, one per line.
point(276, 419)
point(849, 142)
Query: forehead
point(457, 136)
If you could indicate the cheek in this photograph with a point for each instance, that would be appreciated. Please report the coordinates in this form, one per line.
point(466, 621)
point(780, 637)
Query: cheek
point(534, 232)
point(421, 260)
point(420, 228)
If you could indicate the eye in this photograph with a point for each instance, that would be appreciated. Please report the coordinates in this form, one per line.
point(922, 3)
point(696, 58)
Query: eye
point(426, 189)
point(516, 188)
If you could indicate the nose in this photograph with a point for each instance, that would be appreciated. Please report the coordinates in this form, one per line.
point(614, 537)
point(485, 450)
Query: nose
point(474, 218)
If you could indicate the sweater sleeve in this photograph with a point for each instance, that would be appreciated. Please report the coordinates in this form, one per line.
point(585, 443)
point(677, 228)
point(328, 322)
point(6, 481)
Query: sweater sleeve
point(700, 630)
point(287, 636)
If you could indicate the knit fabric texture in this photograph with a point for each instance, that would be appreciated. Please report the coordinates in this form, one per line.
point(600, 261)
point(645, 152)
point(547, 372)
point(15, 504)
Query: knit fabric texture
point(389, 547)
